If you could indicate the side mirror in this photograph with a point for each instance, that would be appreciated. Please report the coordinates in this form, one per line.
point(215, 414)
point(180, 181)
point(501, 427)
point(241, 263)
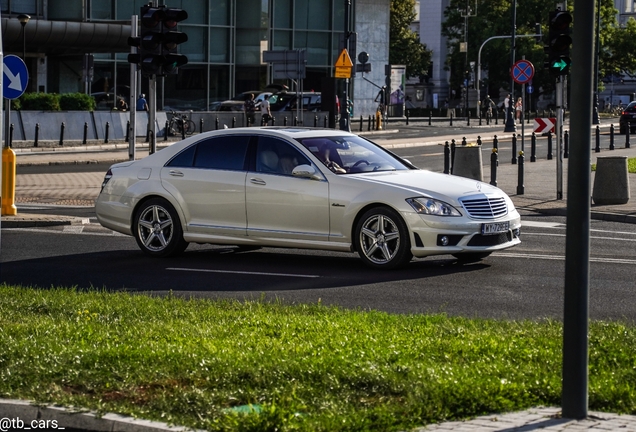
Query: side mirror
point(306, 171)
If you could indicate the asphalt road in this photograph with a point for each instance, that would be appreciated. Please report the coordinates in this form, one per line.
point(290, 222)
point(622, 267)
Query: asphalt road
point(525, 282)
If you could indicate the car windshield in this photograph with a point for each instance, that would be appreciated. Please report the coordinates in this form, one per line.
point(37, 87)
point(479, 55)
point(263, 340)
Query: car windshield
point(352, 154)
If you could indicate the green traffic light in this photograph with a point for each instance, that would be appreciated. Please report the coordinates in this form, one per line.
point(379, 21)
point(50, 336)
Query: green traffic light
point(560, 66)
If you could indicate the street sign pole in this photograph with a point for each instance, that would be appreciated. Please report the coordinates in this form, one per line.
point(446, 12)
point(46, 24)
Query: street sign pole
point(558, 128)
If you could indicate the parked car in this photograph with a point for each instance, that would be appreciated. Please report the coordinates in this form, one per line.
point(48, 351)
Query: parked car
point(302, 188)
point(287, 101)
point(628, 117)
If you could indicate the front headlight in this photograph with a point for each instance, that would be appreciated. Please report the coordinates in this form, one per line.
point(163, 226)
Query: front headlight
point(430, 206)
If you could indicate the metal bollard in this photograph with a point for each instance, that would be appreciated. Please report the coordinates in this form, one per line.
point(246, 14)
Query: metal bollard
point(361, 123)
point(106, 132)
point(446, 158)
point(452, 158)
point(495, 143)
point(496, 116)
point(165, 131)
point(597, 148)
point(295, 121)
point(86, 133)
point(549, 145)
point(514, 149)
point(467, 117)
point(201, 125)
point(479, 140)
point(325, 122)
point(273, 121)
point(127, 130)
point(611, 147)
point(11, 128)
point(566, 145)
point(451, 119)
point(37, 134)
point(464, 141)
point(62, 133)
point(152, 146)
point(315, 121)
point(216, 123)
point(627, 131)
point(494, 163)
point(183, 126)
point(520, 186)
point(430, 119)
point(533, 147)
point(285, 121)
point(407, 117)
point(369, 127)
point(233, 122)
point(479, 114)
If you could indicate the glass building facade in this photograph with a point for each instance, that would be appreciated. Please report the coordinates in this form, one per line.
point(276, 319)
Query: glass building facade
point(226, 39)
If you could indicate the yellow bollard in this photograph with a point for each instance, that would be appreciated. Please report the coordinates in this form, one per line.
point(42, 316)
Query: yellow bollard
point(378, 120)
point(8, 182)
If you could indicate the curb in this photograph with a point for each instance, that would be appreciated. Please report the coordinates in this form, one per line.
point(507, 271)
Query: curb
point(16, 411)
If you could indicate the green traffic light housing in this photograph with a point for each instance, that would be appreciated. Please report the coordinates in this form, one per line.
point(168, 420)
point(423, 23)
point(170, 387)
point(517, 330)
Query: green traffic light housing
point(559, 41)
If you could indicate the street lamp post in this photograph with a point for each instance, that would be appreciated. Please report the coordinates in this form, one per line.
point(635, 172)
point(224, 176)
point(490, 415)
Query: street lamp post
point(24, 19)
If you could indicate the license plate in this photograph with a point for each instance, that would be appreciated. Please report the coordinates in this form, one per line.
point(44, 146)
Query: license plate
point(494, 228)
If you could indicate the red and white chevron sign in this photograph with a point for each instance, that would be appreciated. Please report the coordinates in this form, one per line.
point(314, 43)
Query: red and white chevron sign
point(544, 125)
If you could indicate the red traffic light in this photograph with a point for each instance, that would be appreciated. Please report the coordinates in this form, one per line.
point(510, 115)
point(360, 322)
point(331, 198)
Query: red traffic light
point(561, 21)
point(172, 16)
point(152, 16)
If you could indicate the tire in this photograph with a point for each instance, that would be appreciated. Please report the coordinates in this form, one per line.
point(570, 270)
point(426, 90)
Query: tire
point(382, 239)
point(471, 257)
point(190, 127)
point(157, 229)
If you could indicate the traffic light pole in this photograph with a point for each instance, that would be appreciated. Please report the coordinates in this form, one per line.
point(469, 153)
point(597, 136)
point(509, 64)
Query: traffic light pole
point(558, 128)
point(344, 112)
point(510, 121)
point(152, 113)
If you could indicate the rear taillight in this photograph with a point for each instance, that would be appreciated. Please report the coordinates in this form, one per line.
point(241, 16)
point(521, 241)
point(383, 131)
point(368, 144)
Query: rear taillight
point(107, 177)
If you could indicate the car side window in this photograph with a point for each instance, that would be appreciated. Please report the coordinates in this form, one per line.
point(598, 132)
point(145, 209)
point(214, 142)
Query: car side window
point(223, 153)
point(274, 156)
point(185, 159)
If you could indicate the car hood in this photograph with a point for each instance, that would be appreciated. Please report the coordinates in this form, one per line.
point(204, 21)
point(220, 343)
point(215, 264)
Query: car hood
point(432, 184)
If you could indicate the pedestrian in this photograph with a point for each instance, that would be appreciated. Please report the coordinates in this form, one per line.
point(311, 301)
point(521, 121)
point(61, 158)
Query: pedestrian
point(250, 108)
point(488, 105)
point(518, 108)
point(122, 105)
point(266, 114)
point(142, 105)
point(506, 103)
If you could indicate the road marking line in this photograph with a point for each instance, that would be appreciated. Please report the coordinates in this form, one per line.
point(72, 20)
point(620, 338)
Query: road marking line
point(242, 272)
point(539, 224)
point(562, 258)
point(563, 235)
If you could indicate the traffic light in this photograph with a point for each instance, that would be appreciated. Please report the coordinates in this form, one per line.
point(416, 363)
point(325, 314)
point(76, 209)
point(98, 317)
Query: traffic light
point(559, 41)
point(158, 41)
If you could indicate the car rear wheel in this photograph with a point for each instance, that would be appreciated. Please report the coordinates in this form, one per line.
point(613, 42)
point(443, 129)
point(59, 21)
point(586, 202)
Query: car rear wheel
point(382, 239)
point(157, 229)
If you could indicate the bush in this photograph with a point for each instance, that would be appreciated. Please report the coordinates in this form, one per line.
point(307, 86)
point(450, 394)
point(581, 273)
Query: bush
point(77, 102)
point(38, 102)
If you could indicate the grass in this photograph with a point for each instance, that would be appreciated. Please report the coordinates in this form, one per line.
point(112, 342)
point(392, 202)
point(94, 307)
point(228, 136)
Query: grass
point(198, 363)
point(631, 165)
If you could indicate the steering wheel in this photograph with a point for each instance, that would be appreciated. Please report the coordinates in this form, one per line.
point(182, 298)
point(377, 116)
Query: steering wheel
point(359, 162)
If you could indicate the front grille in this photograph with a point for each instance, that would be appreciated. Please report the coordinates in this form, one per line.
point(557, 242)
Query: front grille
point(490, 240)
point(485, 208)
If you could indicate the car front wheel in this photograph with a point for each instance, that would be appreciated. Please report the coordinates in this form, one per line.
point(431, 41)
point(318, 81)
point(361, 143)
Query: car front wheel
point(157, 229)
point(382, 239)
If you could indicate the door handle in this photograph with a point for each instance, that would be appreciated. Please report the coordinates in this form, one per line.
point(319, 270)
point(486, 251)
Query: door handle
point(258, 181)
point(175, 173)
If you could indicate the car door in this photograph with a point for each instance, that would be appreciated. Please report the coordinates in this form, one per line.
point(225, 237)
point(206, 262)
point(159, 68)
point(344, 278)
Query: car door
point(208, 180)
point(279, 205)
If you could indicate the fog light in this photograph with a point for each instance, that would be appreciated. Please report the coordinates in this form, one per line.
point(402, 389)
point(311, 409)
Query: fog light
point(443, 240)
point(516, 232)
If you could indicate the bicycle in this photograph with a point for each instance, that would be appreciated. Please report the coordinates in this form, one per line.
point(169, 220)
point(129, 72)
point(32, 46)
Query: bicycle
point(180, 124)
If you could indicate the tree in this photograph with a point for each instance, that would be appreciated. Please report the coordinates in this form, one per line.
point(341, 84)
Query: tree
point(493, 18)
point(405, 47)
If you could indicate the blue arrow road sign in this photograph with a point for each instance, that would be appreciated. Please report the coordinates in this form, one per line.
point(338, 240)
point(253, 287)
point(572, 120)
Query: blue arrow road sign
point(529, 89)
point(15, 78)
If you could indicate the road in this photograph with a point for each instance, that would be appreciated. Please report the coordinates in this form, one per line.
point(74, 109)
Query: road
point(525, 282)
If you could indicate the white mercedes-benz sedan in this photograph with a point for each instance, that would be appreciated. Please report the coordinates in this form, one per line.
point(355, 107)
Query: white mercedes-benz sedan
point(306, 188)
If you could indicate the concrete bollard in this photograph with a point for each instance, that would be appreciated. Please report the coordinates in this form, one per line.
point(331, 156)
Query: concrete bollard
point(468, 162)
point(611, 181)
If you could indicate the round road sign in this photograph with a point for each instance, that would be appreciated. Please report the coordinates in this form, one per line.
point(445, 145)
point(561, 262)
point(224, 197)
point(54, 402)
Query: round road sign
point(522, 72)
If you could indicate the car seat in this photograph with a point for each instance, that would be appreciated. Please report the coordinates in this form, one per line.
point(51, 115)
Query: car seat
point(267, 161)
